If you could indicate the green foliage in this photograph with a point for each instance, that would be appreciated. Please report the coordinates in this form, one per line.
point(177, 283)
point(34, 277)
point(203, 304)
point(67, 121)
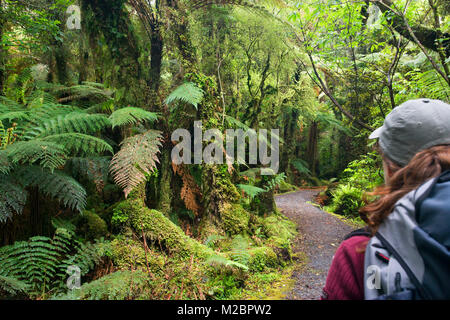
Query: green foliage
point(251, 191)
point(12, 287)
point(56, 184)
point(301, 166)
point(239, 250)
point(276, 181)
point(188, 93)
point(119, 285)
point(347, 200)
point(131, 116)
point(136, 160)
point(38, 266)
point(35, 151)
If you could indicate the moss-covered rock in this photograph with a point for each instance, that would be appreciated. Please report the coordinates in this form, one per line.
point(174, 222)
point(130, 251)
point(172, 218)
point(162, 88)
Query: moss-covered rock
point(128, 254)
point(280, 231)
point(262, 258)
point(159, 228)
point(235, 219)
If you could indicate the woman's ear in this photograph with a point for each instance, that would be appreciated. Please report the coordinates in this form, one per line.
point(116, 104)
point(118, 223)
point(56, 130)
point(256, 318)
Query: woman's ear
point(387, 171)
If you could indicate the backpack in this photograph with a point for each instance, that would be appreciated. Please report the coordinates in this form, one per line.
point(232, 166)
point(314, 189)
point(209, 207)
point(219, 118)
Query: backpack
point(409, 257)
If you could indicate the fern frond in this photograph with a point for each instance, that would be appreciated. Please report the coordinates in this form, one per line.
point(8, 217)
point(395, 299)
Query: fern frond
point(12, 286)
point(301, 166)
point(5, 164)
point(219, 261)
point(239, 250)
point(276, 181)
point(95, 169)
point(12, 198)
point(74, 122)
point(14, 115)
point(47, 154)
point(80, 144)
point(55, 184)
point(188, 93)
point(39, 265)
point(251, 191)
point(130, 116)
point(136, 158)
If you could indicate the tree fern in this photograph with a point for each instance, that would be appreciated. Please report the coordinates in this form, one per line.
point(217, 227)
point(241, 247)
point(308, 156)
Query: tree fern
point(136, 159)
point(54, 184)
point(38, 266)
point(188, 93)
point(45, 153)
point(94, 169)
point(74, 122)
point(131, 116)
point(12, 198)
point(80, 144)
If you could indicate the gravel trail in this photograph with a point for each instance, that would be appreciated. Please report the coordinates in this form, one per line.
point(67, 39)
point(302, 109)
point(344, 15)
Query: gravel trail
point(319, 237)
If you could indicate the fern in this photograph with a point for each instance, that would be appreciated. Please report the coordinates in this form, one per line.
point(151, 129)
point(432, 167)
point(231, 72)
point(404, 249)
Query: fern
point(54, 184)
point(301, 166)
point(219, 261)
point(431, 84)
point(131, 116)
point(48, 154)
point(188, 93)
point(38, 266)
point(12, 287)
point(80, 144)
point(74, 122)
point(212, 239)
point(276, 181)
point(250, 190)
point(136, 159)
point(120, 285)
point(94, 169)
point(239, 250)
point(12, 198)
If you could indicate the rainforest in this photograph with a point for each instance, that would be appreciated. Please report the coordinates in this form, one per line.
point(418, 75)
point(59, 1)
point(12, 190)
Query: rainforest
point(198, 149)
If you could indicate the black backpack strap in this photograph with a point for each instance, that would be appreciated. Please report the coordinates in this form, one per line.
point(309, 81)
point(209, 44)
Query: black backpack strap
point(359, 232)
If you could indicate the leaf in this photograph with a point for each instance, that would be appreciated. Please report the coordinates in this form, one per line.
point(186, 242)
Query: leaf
point(130, 116)
point(81, 144)
point(55, 184)
point(136, 158)
point(187, 92)
point(48, 154)
point(250, 190)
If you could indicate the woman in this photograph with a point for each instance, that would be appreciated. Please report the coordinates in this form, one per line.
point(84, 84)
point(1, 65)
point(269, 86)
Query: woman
point(414, 142)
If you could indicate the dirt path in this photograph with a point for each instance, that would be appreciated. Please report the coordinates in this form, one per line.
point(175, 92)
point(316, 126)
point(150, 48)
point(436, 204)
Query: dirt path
point(319, 236)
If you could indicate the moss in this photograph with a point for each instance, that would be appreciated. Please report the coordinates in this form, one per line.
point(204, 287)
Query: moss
point(279, 231)
point(262, 258)
point(235, 219)
point(159, 228)
point(284, 187)
point(128, 254)
point(91, 226)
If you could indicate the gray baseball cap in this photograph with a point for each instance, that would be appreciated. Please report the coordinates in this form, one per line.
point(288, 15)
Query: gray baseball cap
point(412, 127)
